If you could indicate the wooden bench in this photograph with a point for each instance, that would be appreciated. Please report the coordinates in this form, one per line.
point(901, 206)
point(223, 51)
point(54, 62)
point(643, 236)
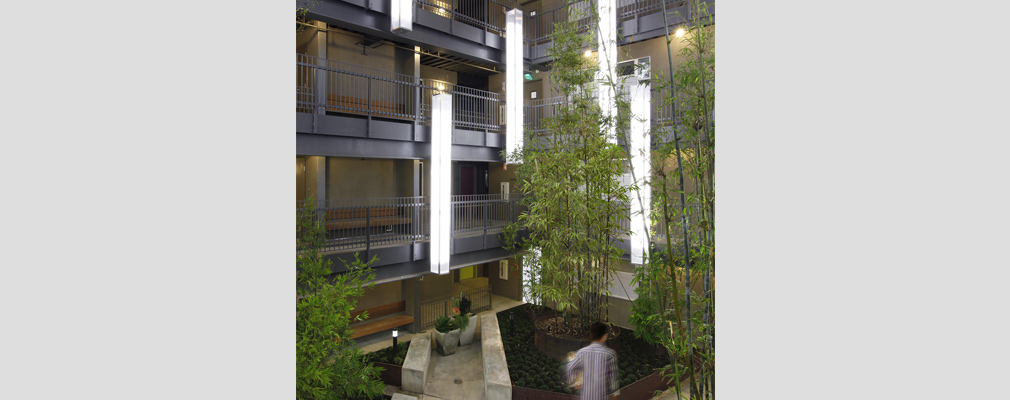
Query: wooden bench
point(381, 318)
point(361, 218)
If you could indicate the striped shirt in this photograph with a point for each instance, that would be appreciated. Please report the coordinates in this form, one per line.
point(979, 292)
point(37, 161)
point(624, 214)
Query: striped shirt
point(598, 364)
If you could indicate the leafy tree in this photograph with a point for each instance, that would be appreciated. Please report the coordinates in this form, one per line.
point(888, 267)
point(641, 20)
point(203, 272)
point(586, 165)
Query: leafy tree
point(570, 181)
point(329, 365)
point(668, 310)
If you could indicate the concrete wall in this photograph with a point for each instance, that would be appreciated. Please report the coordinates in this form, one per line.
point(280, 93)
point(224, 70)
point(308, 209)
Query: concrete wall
point(506, 288)
point(353, 178)
point(381, 294)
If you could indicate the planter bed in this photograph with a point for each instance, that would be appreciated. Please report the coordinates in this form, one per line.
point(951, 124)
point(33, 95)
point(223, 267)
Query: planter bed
point(535, 374)
point(390, 361)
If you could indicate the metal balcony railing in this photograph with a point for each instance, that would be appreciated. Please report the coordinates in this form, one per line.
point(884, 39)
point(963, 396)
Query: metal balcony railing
point(537, 110)
point(328, 85)
point(430, 310)
point(541, 25)
point(483, 213)
point(483, 14)
point(365, 223)
point(361, 224)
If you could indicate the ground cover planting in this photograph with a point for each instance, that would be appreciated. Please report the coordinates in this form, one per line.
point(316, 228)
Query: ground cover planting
point(531, 368)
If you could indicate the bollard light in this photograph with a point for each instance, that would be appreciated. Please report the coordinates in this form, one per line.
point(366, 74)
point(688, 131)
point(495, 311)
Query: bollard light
point(512, 318)
point(394, 338)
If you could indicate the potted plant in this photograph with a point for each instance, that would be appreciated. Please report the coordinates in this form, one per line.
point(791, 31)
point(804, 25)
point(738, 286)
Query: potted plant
point(464, 321)
point(446, 336)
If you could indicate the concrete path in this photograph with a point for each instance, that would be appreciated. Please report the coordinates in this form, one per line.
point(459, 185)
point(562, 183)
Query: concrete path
point(466, 366)
point(456, 376)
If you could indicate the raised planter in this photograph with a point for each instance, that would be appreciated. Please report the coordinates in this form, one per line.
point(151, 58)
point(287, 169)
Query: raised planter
point(466, 335)
point(558, 347)
point(391, 374)
point(447, 342)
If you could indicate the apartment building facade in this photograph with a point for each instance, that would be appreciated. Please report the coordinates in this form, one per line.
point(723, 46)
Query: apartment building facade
point(402, 115)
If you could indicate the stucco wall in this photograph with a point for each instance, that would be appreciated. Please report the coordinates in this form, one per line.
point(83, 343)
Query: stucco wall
point(497, 174)
point(505, 288)
point(380, 295)
point(300, 178)
point(352, 178)
point(434, 286)
point(437, 74)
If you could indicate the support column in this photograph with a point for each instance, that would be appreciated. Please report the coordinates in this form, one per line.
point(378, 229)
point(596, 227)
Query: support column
point(315, 179)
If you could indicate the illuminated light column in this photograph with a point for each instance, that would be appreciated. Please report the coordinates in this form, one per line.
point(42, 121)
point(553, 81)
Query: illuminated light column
point(401, 15)
point(441, 182)
point(513, 81)
point(639, 150)
point(606, 43)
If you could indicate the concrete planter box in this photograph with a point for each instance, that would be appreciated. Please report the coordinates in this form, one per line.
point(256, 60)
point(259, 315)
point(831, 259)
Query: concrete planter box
point(466, 336)
point(446, 342)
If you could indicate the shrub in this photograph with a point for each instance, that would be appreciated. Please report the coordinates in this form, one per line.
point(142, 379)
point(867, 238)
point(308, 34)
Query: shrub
point(444, 324)
point(461, 321)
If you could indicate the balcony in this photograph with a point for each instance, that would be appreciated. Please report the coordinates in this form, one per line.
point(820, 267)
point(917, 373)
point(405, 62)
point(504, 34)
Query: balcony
point(336, 87)
point(364, 225)
point(474, 29)
point(381, 98)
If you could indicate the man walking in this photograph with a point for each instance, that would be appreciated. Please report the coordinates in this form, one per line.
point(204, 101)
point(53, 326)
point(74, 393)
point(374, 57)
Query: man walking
point(598, 365)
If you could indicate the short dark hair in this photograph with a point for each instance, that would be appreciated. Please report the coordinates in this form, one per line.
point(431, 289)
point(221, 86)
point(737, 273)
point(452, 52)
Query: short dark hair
point(597, 331)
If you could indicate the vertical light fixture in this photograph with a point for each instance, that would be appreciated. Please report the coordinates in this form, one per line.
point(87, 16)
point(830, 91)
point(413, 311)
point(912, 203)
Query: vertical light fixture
point(514, 81)
point(394, 338)
point(441, 179)
point(639, 151)
point(607, 56)
point(401, 15)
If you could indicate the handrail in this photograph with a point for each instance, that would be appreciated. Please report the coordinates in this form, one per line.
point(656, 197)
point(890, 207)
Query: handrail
point(363, 223)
